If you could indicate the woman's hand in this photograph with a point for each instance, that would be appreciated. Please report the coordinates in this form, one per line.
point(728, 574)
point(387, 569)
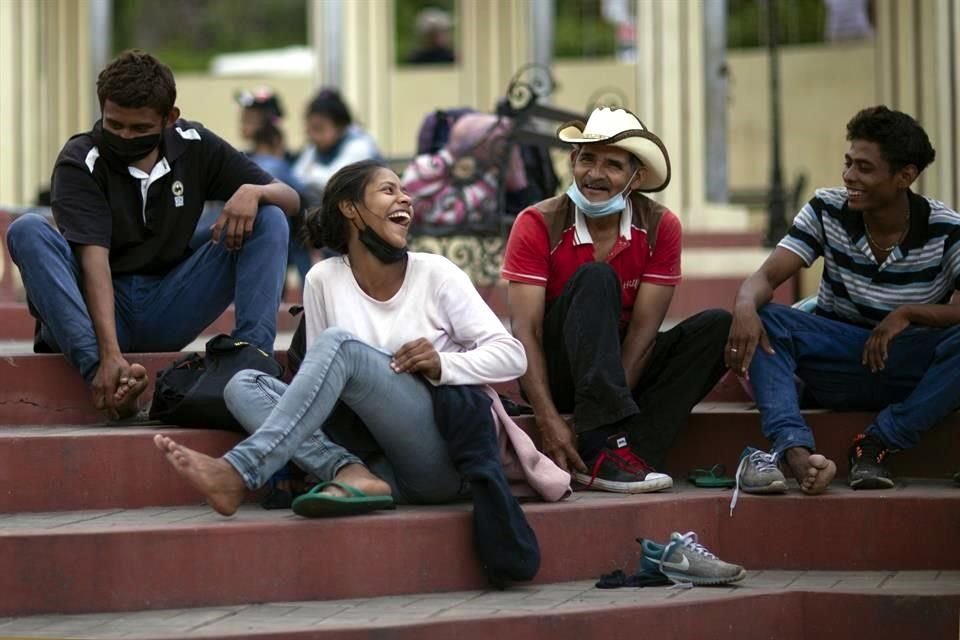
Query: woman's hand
point(417, 356)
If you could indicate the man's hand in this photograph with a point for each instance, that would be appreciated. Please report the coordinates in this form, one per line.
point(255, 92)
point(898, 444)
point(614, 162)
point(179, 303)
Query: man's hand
point(112, 372)
point(558, 442)
point(235, 223)
point(875, 351)
point(746, 332)
point(417, 356)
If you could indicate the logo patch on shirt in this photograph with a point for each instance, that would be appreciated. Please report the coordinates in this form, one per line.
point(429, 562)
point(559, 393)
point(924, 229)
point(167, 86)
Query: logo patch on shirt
point(177, 190)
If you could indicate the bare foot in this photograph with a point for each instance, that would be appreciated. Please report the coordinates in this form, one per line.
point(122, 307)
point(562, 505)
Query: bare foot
point(129, 390)
point(361, 478)
point(813, 471)
point(215, 478)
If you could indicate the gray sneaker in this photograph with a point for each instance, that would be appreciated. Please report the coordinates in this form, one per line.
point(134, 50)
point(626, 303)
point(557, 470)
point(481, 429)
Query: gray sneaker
point(685, 561)
point(758, 473)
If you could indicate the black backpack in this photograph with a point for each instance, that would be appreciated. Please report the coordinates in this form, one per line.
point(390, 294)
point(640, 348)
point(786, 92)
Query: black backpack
point(189, 393)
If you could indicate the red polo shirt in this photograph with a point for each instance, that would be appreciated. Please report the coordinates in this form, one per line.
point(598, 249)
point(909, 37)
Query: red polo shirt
point(530, 259)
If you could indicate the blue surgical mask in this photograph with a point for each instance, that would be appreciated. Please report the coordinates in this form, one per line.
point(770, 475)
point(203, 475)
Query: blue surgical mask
point(590, 209)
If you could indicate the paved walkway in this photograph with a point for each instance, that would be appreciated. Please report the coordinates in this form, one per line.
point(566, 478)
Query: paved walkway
point(420, 608)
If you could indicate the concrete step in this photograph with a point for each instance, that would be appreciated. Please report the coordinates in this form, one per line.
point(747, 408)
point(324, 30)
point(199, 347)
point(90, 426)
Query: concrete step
point(45, 389)
point(786, 605)
point(161, 558)
point(51, 468)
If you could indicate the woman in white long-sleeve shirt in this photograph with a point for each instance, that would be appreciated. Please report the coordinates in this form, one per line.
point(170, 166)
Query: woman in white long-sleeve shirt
point(383, 324)
point(334, 142)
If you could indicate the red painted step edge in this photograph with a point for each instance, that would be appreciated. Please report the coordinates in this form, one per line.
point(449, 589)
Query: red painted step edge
point(115, 568)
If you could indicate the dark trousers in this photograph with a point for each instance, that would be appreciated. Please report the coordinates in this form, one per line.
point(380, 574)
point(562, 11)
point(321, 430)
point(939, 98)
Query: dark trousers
point(582, 346)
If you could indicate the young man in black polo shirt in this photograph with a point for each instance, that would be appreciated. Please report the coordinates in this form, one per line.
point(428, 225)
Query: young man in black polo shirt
point(119, 276)
point(883, 336)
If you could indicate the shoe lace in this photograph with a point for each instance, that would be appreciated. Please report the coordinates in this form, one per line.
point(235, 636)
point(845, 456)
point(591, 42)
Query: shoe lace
point(687, 541)
point(762, 460)
point(863, 447)
point(628, 460)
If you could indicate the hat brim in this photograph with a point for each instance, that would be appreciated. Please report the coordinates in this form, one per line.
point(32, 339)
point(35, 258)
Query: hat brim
point(642, 144)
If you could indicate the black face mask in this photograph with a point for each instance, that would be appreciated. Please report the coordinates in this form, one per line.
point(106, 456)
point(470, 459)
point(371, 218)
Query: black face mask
point(380, 248)
point(123, 151)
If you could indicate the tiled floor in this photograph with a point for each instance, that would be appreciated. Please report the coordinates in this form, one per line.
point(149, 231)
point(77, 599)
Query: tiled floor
point(393, 610)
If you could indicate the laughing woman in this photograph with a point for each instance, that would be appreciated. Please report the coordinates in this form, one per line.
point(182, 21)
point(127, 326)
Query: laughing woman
point(384, 327)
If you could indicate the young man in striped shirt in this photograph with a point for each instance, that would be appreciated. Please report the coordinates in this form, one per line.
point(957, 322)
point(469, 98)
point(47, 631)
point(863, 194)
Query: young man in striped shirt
point(883, 336)
point(591, 277)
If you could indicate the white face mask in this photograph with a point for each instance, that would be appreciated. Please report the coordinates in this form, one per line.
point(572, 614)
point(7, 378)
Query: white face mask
point(607, 207)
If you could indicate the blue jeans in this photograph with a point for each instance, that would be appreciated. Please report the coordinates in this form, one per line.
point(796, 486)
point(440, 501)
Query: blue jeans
point(919, 386)
point(297, 254)
point(154, 312)
point(286, 422)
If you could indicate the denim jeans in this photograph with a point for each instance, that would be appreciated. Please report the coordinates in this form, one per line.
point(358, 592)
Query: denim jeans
point(297, 253)
point(154, 312)
point(917, 388)
point(287, 422)
point(581, 341)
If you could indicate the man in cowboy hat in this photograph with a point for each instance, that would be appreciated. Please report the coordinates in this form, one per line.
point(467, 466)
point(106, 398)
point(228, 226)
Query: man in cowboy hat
point(591, 274)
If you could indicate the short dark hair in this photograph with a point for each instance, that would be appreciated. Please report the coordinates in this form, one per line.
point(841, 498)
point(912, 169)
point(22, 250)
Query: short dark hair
point(136, 79)
point(326, 225)
point(901, 138)
point(268, 134)
point(329, 103)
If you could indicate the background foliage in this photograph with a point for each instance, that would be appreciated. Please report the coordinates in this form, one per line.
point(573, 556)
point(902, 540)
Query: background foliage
point(186, 34)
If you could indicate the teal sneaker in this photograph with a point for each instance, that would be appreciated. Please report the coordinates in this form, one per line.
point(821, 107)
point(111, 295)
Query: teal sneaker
point(685, 561)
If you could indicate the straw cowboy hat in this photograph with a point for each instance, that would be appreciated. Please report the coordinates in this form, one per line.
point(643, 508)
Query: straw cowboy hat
point(620, 128)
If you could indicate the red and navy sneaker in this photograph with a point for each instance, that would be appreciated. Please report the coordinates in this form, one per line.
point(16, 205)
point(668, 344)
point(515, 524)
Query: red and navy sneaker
point(618, 469)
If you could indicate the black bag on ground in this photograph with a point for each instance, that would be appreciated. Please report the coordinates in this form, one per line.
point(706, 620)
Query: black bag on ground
point(189, 393)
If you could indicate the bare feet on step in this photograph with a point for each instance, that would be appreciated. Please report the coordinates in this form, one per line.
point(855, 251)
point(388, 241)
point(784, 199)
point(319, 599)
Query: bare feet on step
point(361, 478)
point(128, 391)
point(813, 471)
point(215, 478)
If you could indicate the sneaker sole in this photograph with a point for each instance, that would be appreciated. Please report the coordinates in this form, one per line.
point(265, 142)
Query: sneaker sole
point(872, 483)
point(647, 486)
point(777, 486)
point(701, 580)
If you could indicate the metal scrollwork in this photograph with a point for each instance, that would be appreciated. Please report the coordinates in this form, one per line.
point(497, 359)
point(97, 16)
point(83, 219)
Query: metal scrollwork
point(530, 84)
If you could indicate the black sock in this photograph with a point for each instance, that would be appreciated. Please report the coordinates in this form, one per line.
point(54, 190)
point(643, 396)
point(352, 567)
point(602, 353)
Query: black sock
point(591, 443)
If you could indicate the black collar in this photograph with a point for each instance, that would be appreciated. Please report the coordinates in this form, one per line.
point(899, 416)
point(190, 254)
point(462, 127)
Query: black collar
point(916, 237)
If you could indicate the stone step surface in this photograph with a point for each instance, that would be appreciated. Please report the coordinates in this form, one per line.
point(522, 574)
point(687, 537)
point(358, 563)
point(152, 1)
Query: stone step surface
point(52, 468)
point(788, 605)
point(188, 556)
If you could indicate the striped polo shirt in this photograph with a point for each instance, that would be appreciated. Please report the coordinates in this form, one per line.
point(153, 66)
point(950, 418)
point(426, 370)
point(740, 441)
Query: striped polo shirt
point(923, 269)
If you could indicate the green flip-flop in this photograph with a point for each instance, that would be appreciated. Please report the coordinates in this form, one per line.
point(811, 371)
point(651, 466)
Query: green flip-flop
point(316, 504)
point(712, 478)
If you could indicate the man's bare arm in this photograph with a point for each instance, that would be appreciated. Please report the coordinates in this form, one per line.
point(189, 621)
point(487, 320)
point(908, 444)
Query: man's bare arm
point(649, 310)
point(527, 305)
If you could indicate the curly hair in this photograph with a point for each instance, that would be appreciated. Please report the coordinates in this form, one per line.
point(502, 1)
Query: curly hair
point(136, 79)
point(325, 225)
point(901, 138)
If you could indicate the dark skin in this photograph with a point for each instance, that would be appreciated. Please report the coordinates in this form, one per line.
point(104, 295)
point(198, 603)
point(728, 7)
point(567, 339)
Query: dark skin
point(118, 384)
point(387, 209)
point(879, 191)
point(601, 171)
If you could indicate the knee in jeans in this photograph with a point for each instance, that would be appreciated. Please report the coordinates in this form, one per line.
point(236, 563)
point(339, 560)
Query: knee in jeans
point(271, 221)
point(329, 337)
point(716, 320)
point(239, 387)
point(26, 229)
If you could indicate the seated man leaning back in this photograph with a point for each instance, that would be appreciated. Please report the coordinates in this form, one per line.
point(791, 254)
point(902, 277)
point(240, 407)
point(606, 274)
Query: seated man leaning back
point(591, 274)
point(119, 277)
point(882, 336)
